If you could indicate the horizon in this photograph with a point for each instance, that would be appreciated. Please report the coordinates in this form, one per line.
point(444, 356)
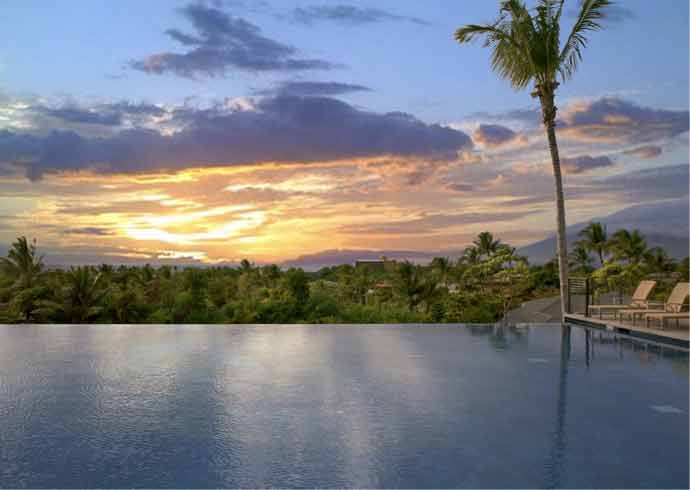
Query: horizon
point(141, 148)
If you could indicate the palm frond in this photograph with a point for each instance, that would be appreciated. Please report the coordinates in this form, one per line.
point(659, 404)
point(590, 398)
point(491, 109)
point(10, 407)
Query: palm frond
point(592, 12)
point(510, 56)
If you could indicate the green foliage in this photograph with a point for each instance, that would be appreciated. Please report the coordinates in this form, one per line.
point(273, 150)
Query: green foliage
point(630, 246)
point(77, 297)
point(579, 259)
point(617, 276)
point(23, 263)
point(478, 287)
point(595, 239)
point(684, 269)
point(472, 307)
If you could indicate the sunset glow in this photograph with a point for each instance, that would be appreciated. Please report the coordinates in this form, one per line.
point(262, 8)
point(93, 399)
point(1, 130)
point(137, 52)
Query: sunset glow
point(160, 162)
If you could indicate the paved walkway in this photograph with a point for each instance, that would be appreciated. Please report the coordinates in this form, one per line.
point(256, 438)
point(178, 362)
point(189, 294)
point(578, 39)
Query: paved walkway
point(544, 310)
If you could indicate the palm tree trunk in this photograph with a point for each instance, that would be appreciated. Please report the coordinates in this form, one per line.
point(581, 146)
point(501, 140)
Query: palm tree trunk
point(549, 112)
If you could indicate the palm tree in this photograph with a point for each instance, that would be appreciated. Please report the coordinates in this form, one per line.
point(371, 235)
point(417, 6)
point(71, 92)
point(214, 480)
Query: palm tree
point(657, 260)
point(526, 48)
point(470, 256)
point(428, 293)
point(509, 255)
point(408, 284)
point(595, 239)
point(442, 266)
point(246, 266)
point(628, 245)
point(580, 259)
point(485, 244)
point(81, 299)
point(23, 263)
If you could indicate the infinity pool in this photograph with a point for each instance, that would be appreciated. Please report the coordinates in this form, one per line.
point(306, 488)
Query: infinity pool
point(339, 406)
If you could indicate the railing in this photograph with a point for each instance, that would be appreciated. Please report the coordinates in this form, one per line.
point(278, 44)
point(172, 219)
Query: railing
point(579, 295)
point(582, 291)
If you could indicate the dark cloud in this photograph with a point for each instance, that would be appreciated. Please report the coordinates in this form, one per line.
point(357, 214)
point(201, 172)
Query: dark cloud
point(88, 230)
point(461, 187)
point(82, 116)
point(314, 88)
point(493, 135)
point(612, 120)
point(585, 163)
point(431, 223)
point(283, 128)
point(646, 152)
point(221, 42)
point(103, 115)
point(349, 15)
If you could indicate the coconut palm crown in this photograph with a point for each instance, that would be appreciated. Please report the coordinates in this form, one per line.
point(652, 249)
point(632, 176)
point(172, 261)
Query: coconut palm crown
point(595, 239)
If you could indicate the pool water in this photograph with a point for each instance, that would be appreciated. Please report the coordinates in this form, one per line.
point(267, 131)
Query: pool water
point(339, 406)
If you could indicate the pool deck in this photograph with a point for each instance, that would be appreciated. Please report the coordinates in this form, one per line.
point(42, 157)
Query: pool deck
point(677, 337)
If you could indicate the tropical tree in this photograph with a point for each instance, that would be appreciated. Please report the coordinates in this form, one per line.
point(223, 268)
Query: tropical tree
point(526, 48)
point(442, 266)
point(470, 256)
point(23, 267)
point(297, 285)
point(628, 245)
point(595, 239)
point(485, 244)
point(580, 260)
point(246, 266)
point(408, 284)
point(79, 301)
point(23, 263)
point(657, 260)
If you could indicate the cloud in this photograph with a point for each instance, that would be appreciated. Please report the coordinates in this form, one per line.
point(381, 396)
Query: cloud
point(220, 43)
point(495, 135)
point(526, 117)
point(349, 15)
point(649, 184)
point(646, 152)
point(612, 120)
point(282, 129)
point(430, 223)
point(585, 163)
point(88, 230)
point(461, 187)
point(302, 88)
point(103, 114)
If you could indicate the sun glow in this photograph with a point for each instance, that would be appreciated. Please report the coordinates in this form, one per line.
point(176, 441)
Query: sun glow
point(240, 223)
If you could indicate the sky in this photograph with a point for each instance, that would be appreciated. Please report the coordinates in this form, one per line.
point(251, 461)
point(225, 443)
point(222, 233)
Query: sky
point(211, 131)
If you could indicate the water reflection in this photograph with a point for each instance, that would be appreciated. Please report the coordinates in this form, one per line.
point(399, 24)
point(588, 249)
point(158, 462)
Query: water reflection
point(326, 406)
point(554, 464)
point(625, 347)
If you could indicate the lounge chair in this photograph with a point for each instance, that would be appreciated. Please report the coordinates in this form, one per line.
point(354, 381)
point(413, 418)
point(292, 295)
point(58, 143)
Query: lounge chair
point(673, 307)
point(639, 300)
